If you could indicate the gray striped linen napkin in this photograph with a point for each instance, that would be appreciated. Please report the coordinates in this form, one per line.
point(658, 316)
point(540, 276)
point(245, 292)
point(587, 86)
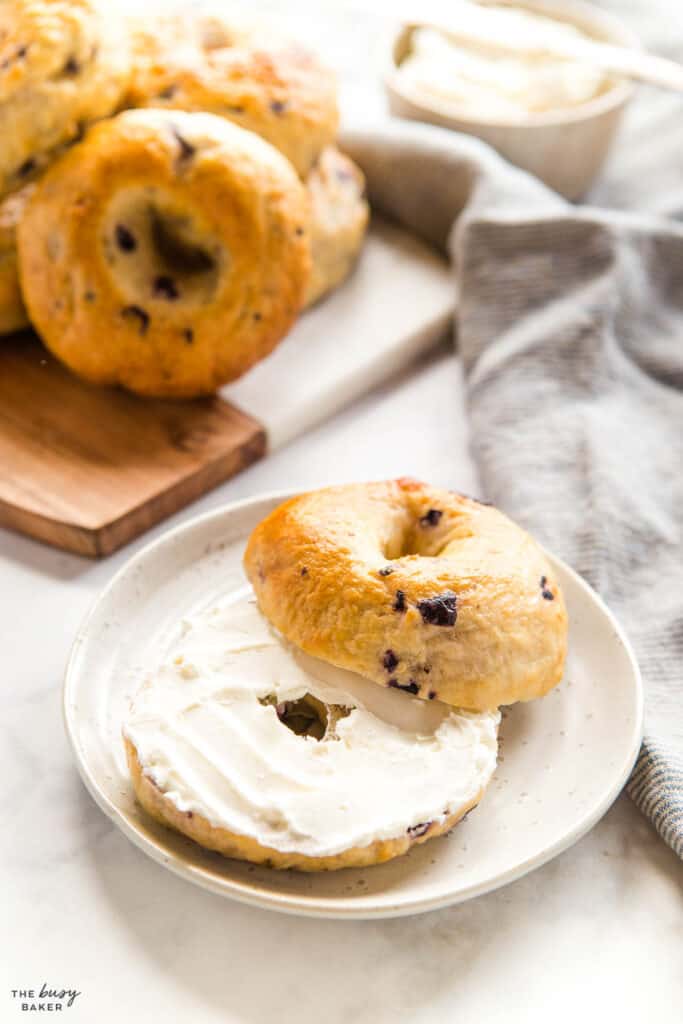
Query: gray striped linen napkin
point(570, 327)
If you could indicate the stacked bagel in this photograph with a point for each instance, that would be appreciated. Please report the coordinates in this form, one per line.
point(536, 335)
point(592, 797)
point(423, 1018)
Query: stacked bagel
point(171, 195)
point(349, 711)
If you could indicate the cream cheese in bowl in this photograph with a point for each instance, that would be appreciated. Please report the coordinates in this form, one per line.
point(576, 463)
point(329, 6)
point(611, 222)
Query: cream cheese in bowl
point(554, 116)
point(487, 82)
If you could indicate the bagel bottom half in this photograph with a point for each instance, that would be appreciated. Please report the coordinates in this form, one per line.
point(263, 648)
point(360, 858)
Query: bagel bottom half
point(241, 847)
point(253, 749)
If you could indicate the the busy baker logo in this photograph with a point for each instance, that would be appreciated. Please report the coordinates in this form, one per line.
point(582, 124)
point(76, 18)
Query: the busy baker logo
point(46, 999)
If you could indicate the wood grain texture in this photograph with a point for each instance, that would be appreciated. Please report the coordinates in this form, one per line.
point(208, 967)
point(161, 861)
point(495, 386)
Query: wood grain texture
point(87, 469)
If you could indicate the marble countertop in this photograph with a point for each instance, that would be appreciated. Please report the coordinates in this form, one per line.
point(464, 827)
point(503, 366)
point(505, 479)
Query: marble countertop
point(600, 926)
point(596, 933)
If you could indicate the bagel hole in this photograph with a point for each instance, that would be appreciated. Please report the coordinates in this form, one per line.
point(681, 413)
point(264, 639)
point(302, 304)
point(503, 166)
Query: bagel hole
point(158, 253)
point(178, 255)
point(408, 542)
point(307, 716)
point(413, 537)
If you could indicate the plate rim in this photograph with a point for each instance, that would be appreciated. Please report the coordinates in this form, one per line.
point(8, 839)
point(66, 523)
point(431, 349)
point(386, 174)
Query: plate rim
point(326, 907)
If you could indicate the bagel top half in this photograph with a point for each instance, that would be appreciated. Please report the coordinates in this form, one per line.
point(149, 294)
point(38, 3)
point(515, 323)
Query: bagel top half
point(166, 253)
point(416, 588)
point(63, 65)
point(241, 70)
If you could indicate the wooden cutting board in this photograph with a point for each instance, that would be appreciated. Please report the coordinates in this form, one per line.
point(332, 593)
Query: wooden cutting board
point(88, 469)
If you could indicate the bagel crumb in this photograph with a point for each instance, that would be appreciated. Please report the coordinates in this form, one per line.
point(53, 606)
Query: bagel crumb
point(431, 518)
point(125, 239)
point(387, 570)
point(409, 687)
point(400, 602)
point(137, 313)
point(304, 571)
point(440, 610)
point(415, 831)
point(390, 661)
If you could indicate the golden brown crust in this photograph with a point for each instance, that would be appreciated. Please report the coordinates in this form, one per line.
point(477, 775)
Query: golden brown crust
point(413, 587)
point(166, 253)
point(339, 219)
point(230, 844)
point(268, 85)
point(63, 65)
point(13, 316)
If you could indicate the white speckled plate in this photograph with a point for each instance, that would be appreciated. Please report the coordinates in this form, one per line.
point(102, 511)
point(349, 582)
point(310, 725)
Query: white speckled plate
point(563, 759)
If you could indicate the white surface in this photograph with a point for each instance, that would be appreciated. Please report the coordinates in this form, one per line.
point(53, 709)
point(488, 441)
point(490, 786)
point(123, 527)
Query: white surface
point(562, 760)
point(595, 935)
point(397, 303)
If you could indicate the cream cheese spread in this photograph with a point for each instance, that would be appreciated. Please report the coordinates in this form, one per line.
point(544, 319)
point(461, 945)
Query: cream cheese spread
point(488, 83)
point(209, 728)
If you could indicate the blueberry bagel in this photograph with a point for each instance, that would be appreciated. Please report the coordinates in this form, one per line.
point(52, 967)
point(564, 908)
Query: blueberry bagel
point(337, 225)
point(166, 253)
point(13, 315)
point(339, 218)
point(63, 64)
point(338, 221)
point(418, 589)
point(253, 749)
point(244, 73)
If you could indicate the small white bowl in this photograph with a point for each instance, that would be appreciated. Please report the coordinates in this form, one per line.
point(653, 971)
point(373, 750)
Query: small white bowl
point(564, 148)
